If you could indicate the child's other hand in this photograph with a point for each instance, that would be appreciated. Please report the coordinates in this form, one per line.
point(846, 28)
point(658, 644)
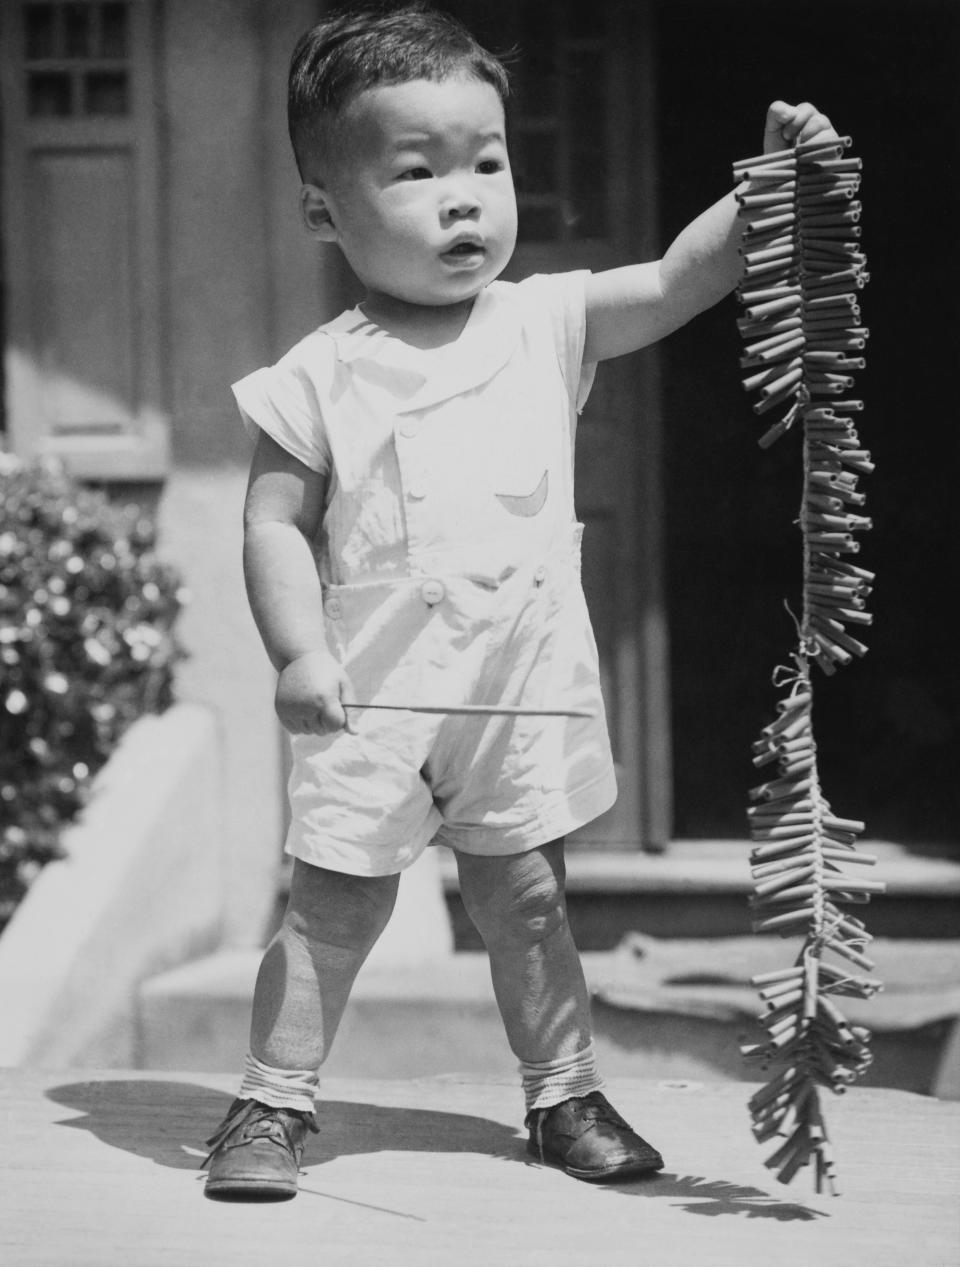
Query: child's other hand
point(789, 125)
point(309, 694)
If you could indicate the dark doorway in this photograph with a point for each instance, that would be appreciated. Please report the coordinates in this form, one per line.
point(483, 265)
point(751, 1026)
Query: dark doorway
point(887, 726)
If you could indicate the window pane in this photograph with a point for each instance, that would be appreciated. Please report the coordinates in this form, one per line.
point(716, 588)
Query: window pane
point(113, 30)
point(39, 31)
point(48, 94)
point(537, 86)
point(538, 224)
point(537, 169)
point(537, 80)
point(585, 21)
point(105, 92)
point(76, 30)
point(588, 153)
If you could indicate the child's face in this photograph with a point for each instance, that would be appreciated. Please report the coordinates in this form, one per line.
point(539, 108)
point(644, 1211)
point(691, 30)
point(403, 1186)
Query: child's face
point(419, 190)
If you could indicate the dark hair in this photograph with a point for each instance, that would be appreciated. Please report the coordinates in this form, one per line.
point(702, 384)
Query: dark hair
point(363, 46)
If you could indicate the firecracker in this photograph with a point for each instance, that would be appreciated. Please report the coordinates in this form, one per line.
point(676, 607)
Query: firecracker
point(804, 270)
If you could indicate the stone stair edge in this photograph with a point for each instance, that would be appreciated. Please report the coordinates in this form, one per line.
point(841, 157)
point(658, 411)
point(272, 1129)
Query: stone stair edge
point(722, 866)
point(230, 974)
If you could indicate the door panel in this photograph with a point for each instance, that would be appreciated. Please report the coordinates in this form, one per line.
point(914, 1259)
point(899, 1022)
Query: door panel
point(83, 309)
point(581, 137)
point(81, 222)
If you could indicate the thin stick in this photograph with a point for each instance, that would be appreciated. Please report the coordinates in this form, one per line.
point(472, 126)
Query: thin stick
point(477, 710)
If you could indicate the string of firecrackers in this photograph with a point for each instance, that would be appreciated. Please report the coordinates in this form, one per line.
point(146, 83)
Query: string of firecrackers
point(803, 271)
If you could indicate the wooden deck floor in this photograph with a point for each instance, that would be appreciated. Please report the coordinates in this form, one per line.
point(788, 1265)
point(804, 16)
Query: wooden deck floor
point(101, 1170)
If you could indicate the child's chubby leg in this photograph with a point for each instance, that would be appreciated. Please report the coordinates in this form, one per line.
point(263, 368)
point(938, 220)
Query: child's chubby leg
point(330, 925)
point(518, 904)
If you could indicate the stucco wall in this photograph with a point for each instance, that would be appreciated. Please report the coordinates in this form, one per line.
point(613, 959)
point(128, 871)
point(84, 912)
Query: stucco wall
point(244, 279)
point(227, 671)
point(244, 282)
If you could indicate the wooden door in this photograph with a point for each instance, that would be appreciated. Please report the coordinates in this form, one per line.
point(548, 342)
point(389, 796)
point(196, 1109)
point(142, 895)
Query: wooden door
point(81, 223)
point(582, 144)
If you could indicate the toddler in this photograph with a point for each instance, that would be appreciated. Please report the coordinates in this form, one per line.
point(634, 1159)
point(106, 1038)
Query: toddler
point(410, 539)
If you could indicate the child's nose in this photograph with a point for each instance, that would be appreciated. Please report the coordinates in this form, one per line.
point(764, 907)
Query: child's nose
point(460, 203)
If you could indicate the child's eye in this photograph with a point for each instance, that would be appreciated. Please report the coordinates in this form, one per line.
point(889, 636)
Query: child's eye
point(490, 166)
point(415, 173)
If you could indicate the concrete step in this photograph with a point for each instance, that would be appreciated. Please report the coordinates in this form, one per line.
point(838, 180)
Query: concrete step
point(664, 1006)
point(699, 888)
point(661, 1009)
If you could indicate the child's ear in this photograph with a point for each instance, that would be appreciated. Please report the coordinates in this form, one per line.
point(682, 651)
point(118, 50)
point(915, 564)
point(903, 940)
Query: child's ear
point(316, 213)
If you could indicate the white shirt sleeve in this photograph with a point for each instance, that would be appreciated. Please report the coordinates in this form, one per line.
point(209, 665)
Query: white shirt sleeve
point(283, 401)
point(562, 296)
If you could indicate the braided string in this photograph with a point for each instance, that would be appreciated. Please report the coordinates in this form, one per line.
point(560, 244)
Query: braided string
point(803, 271)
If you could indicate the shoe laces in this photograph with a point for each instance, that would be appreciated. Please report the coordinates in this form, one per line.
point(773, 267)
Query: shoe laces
point(252, 1119)
point(597, 1108)
point(584, 1111)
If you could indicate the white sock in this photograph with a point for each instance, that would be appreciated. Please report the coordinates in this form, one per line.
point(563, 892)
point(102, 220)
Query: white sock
point(549, 1082)
point(280, 1088)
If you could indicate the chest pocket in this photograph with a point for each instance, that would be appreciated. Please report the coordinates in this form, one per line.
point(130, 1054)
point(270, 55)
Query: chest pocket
point(517, 443)
point(526, 505)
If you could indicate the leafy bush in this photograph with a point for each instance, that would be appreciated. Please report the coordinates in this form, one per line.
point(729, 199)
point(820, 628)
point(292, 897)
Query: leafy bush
point(87, 613)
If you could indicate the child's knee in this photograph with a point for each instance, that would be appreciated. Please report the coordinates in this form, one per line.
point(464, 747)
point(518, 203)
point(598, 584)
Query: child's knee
point(526, 904)
point(338, 909)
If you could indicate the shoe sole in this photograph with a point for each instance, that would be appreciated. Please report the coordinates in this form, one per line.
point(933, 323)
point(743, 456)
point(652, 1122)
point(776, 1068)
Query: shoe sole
point(248, 1190)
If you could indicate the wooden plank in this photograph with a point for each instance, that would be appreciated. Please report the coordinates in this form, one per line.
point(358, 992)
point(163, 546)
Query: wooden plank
point(101, 1169)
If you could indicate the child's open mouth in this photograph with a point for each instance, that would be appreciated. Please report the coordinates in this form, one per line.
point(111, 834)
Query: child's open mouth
point(465, 251)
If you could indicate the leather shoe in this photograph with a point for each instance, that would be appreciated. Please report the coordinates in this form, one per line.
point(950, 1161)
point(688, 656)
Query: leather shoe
point(255, 1153)
point(587, 1137)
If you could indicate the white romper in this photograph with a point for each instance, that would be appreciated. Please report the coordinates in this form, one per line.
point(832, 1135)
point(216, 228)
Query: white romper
point(449, 558)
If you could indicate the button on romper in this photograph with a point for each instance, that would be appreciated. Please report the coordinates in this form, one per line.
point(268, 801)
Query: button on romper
point(449, 557)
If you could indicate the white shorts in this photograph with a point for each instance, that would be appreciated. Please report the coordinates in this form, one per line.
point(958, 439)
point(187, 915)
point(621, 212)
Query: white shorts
point(370, 803)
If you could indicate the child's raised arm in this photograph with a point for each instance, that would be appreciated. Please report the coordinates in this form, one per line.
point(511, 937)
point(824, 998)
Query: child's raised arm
point(630, 307)
point(282, 513)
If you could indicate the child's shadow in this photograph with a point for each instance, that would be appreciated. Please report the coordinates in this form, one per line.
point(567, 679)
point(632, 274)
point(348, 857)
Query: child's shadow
point(168, 1121)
